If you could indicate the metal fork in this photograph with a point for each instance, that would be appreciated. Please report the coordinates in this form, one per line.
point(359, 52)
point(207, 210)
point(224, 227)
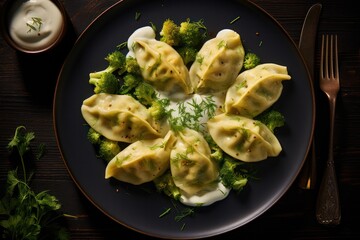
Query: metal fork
point(328, 210)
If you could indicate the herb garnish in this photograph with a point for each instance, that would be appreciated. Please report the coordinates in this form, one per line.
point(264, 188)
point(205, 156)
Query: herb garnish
point(184, 213)
point(235, 19)
point(191, 113)
point(165, 212)
point(24, 213)
point(137, 16)
point(35, 25)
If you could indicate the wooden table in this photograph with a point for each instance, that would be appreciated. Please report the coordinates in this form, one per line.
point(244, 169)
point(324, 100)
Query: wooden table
point(23, 101)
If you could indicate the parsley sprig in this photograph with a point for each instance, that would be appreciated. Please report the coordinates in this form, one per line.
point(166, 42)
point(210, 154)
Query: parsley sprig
point(24, 213)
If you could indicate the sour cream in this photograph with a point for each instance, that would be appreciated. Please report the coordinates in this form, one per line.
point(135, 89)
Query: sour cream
point(208, 198)
point(35, 24)
point(146, 32)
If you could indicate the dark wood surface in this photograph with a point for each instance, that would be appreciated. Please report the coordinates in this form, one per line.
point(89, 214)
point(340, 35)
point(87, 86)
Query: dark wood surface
point(25, 101)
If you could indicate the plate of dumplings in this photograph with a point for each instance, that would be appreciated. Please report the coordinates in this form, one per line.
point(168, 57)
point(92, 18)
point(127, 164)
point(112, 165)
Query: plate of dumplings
point(211, 106)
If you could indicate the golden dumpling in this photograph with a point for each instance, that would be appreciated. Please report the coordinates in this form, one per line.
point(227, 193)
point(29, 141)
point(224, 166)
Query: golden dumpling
point(162, 66)
point(120, 118)
point(142, 161)
point(256, 89)
point(218, 62)
point(243, 138)
point(192, 168)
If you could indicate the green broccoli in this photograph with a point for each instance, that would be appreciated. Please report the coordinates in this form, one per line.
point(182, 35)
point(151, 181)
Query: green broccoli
point(186, 38)
point(132, 66)
point(165, 184)
point(251, 60)
point(192, 34)
point(131, 81)
point(188, 54)
point(217, 153)
point(170, 33)
point(145, 94)
point(93, 136)
point(107, 83)
point(108, 149)
point(158, 109)
point(116, 62)
point(271, 118)
point(231, 174)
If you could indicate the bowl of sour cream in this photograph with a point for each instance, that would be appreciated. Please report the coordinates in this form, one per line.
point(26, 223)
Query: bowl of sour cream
point(33, 26)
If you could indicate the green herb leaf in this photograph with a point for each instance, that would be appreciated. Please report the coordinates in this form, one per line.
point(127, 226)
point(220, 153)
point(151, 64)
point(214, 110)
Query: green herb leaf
point(24, 213)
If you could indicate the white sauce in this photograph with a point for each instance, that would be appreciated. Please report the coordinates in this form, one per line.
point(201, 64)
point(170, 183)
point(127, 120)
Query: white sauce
point(143, 32)
point(43, 15)
point(218, 194)
point(220, 191)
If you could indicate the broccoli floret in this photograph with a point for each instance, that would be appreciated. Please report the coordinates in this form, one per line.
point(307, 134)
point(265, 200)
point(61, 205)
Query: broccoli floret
point(108, 149)
point(170, 33)
point(251, 60)
point(145, 94)
point(217, 154)
point(116, 62)
point(158, 109)
point(107, 83)
point(188, 54)
point(271, 118)
point(231, 175)
point(93, 136)
point(131, 81)
point(165, 184)
point(192, 34)
point(132, 66)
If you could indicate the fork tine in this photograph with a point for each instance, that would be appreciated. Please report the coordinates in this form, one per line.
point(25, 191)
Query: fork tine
point(336, 59)
point(322, 57)
point(331, 56)
point(327, 57)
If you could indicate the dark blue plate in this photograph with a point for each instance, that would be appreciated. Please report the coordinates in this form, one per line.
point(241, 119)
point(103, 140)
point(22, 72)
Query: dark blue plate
point(137, 207)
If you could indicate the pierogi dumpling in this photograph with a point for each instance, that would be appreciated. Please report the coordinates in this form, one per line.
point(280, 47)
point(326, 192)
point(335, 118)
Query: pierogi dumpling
point(243, 138)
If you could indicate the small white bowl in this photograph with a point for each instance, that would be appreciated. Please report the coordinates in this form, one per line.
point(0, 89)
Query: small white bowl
point(38, 29)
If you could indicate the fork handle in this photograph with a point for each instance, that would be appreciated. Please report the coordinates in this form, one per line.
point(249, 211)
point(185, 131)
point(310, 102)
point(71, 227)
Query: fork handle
point(328, 210)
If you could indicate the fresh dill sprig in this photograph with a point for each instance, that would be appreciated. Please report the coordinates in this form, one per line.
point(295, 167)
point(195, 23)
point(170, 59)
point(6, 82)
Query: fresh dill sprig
point(191, 113)
point(35, 25)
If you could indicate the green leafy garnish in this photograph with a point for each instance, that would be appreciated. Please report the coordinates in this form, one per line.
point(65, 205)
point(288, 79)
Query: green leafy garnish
point(191, 113)
point(26, 214)
point(165, 212)
point(184, 213)
point(35, 25)
point(137, 16)
point(235, 19)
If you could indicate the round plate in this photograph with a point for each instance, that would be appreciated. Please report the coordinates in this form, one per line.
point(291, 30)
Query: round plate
point(139, 207)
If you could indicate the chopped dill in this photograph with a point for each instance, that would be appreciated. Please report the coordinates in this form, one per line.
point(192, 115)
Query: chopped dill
point(191, 113)
point(35, 25)
point(122, 45)
point(137, 16)
point(235, 19)
point(167, 211)
point(182, 226)
point(184, 213)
